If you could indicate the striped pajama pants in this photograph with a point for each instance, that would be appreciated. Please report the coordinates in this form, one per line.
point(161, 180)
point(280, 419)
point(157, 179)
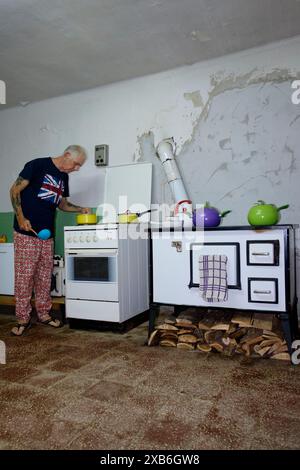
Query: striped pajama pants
point(33, 271)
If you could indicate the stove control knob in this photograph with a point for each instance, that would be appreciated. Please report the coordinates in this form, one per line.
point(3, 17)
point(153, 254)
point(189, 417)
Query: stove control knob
point(95, 238)
point(69, 239)
point(81, 238)
point(75, 239)
point(88, 238)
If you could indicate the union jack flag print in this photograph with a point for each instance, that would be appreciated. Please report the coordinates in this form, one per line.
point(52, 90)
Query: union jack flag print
point(52, 189)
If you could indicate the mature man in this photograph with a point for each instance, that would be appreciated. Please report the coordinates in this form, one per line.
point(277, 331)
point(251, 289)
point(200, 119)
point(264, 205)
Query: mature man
point(41, 187)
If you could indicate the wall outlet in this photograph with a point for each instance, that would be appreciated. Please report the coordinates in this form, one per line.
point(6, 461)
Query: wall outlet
point(101, 155)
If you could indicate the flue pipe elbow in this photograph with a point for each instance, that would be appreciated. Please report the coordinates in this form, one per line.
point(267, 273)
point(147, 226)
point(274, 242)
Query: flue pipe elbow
point(165, 150)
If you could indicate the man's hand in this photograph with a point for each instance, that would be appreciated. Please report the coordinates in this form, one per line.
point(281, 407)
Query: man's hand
point(24, 224)
point(86, 210)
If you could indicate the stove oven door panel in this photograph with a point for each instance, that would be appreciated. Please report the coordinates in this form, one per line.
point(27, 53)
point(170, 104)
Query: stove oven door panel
point(92, 274)
point(229, 249)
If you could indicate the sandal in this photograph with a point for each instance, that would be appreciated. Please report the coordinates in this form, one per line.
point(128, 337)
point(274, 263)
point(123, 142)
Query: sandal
point(20, 329)
point(54, 322)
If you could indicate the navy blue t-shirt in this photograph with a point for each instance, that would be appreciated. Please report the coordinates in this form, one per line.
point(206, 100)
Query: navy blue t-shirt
point(41, 197)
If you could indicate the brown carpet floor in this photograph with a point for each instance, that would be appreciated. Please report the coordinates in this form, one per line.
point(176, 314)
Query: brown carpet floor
point(71, 389)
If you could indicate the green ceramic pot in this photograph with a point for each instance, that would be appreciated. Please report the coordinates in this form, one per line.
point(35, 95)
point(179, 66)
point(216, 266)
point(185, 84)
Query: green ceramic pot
point(264, 214)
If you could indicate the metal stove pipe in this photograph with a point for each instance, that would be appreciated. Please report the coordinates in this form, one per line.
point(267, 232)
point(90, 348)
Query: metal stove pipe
point(165, 151)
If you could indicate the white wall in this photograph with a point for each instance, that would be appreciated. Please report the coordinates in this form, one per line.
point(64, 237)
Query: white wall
point(236, 129)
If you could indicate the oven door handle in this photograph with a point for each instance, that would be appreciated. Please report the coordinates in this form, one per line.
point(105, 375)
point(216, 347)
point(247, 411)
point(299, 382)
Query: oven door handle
point(92, 251)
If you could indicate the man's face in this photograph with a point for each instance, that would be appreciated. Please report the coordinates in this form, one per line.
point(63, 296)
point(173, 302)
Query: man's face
point(70, 165)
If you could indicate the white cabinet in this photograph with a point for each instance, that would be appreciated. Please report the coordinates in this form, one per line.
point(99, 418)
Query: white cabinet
point(6, 268)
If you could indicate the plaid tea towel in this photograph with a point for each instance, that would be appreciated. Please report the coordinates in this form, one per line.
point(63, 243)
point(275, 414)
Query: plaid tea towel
point(213, 277)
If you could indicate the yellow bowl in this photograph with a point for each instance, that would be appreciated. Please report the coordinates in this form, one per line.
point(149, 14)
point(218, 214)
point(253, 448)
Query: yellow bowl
point(83, 219)
point(127, 218)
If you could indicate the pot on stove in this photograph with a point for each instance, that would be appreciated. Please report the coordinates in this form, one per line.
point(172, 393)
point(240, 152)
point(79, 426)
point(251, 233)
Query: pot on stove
point(262, 214)
point(83, 219)
point(128, 216)
point(208, 216)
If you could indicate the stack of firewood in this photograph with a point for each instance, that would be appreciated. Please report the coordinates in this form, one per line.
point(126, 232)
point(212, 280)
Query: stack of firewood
point(256, 335)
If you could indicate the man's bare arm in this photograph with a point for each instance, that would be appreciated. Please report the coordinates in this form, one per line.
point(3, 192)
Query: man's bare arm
point(67, 206)
point(15, 198)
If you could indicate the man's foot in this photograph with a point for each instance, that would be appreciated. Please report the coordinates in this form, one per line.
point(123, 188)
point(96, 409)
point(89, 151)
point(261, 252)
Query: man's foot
point(51, 322)
point(20, 329)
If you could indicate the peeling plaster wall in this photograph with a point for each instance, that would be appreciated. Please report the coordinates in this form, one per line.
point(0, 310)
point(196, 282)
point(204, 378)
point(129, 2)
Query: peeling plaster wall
point(233, 121)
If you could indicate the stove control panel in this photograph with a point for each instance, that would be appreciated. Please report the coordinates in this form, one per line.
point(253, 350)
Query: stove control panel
point(96, 238)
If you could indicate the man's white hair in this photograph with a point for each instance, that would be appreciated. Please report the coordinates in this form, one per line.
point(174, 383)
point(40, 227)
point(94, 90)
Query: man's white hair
point(76, 151)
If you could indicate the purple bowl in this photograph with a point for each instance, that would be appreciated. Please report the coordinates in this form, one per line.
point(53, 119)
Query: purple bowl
point(206, 217)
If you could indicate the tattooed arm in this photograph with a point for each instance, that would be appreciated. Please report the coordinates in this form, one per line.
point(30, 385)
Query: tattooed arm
point(15, 197)
point(67, 206)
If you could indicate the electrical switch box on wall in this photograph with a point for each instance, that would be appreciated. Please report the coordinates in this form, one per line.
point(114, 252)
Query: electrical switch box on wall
point(101, 155)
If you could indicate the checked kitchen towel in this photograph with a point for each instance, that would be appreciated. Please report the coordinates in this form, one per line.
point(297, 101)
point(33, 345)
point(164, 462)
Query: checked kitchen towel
point(213, 277)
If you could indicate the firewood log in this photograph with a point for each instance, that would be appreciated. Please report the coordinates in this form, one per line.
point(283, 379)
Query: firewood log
point(263, 321)
point(226, 340)
point(153, 338)
point(283, 356)
point(199, 334)
point(248, 341)
point(217, 346)
point(246, 349)
point(237, 334)
point(269, 342)
point(168, 343)
point(205, 323)
point(190, 315)
point(187, 339)
point(233, 327)
point(209, 336)
point(230, 346)
point(239, 349)
point(168, 335)
point(222, 321)
point(187, 346)
point(261, 351)
point(185, 331)
point(248, 345)
point(183, 322)
point(278, 347)
point(203, 347)
point(171, 320)
point(215, 340)
point(269, 333)
point(253, 336)
point(242, 319)
point(167, 326)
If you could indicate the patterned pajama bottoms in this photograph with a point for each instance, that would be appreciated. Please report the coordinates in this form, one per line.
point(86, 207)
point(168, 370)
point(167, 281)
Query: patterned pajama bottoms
point(33, 271)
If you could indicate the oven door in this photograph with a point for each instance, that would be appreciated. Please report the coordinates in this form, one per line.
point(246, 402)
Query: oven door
point(92, 274)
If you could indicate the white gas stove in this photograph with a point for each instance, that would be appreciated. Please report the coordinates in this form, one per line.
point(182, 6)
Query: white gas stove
point(107, 264)
point(106, 273)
